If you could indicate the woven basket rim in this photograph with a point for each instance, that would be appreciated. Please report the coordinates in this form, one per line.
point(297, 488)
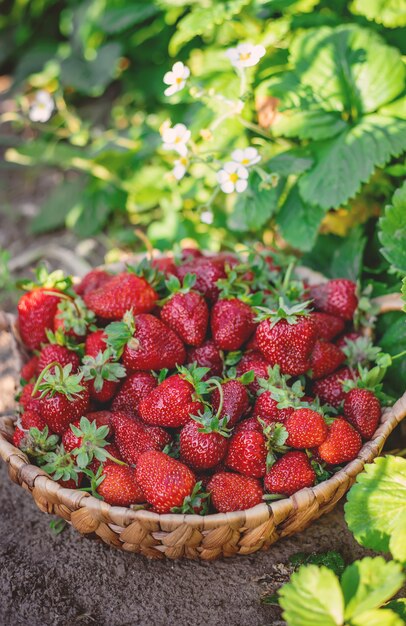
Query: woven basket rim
point(322, 492)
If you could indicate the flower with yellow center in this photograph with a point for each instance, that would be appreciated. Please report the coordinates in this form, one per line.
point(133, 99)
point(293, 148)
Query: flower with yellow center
point(245, 55)
point(42, 107)
point(176, 138)
point(247, 157)
point(233, 177)
point(180, 166)
point(176, 78)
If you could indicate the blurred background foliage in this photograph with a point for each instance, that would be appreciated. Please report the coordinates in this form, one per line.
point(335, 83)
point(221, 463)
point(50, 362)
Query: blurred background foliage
point(325, 107)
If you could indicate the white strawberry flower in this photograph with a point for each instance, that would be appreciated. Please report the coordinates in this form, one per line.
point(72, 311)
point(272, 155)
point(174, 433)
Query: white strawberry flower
point(206, 217)
point(245, 55)
point(42, 107)
point(176, 78)
point(180, 167)
point(233, 177)
point(246, 157)
point(176, 138)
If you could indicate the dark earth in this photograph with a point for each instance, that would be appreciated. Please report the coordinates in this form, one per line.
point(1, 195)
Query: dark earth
point(48, 580)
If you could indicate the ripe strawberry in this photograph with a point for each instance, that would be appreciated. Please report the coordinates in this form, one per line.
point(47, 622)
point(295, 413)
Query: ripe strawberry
point(32, 419)
point(166, 265)
point(232, 492)
point(103, 375)
point(119, 486)
point(328, 326)
point(342, 444)
point(232, 323)
point(160, 436)
point(306, 429)
point(91, 281)
point(123, 292)
point(203, 442)
point(290, 473)
point(113, 451)
point(102, 418)
point(330, 389)
point(60, 354)
point(266, 408)
point(235, 401)
point(165, 482)
point(27, 400)
point(247, 454)
point(336, 297)
point(173, 402)
point(36, 312)
point(154, 346)
point(135, 388)
point(73, 318)
point(131, 437)
point(64, 398)
point(255, 362)
point(29, 369)
point(363, 410)
point(207, 355)
point(342, 342)
point(18, 437)
point(186, 311)
point(187, 254)
point(207, 272)
point(325, 359)
point(96, 342)
point(288, 342)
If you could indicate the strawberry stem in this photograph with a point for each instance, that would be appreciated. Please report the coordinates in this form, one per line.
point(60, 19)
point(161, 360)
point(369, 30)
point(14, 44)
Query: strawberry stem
point(44, 371)
point(219, 386)
point(148, 245)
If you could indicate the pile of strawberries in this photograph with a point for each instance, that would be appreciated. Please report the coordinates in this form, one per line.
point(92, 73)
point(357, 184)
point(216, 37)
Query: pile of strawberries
point(194, 383)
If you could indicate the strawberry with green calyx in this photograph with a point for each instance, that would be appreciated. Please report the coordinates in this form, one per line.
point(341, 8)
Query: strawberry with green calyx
point(58, 338)
point(341, 342)
point(172, 449)
point(208, 271)
point(175, 399)
point(197, 503)
point(73, 318)
point(37, 308)
point(96, 342)
point(336, 297)
point(235, 398)
point(86, 441)
point(233, 492)
point(286, 337)
point(116, 485)
point(35, 441)
point(293, 471)
point(185, 311)
point(54, 352)
point(325, 359)
point(64, 396)
point(306, 429)
point(165, 265)
point(207, 355)
point(276, 398)
point(363, 410)
point(61, 466)
point(328, 326)
point(150, 272)
point(253, 362)
point(165, 481)
point(286, 287)
point(331, 389)
point(135, 388)
point(360, 351)
point(92, 281)
point(123, 292)
point(371, 379)
point(132, 437)
point(103, 375)
point(342, 443)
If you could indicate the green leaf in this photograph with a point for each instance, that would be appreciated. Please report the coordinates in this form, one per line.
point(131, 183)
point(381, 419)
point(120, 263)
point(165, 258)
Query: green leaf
point(392, 231)
point(369, 583)
point(376, 505)
point(308, 124)
point(336, 257)
point(380, 617)
point(117, 19)
point(390, 13)
point(399, 607)
point(391, 331)
point(57, 206)
point(91, 77)
point(299, 222)
point(255, 207)
point(350, 159)
point(313, 597)
point(295, 161)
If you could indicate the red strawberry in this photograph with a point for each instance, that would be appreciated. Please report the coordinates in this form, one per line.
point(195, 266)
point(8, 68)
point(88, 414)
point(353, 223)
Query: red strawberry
point(54, 352)
point(64, 398)
point(103, 375)
point(250, 424)
point(207, 355)
point(119, 486)
point(266, 408)
point(325, 359)
point(328, 326)
point(112, 449)
point(330, 389)
point(252, 345)
point(336, 297)
point(32, 419)
point(187, 254)
point(132, 437)
point(363, 410)
point(290, 473)
point(207, 272)
point(203, 444)
point(247, 454)
point(342, 444)
point(255, 362)
point(232, 492)
point(123, 292)
point(18, 437)
point(29, 369)
point(73, 318)
point(186, 311)
point(235, 401)
point(342, 342)
point(135, 388)
point(96, 342)
point(36, 312)
point(288, 342)
point(232, 323)
point(27, 400)
point(306, 429)
point(102, 418)
point(166, 265)
point(153, 347)
point(165, 481)
point(160, 436)
point(92, 281)
point(171, 403)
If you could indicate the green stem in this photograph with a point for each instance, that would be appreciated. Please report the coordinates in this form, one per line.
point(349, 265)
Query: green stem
point(221, 392)
point(397, 356)
point(113, 458)
point(44, 371)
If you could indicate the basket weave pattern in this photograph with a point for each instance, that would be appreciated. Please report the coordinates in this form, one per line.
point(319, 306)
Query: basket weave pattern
point(191, 536)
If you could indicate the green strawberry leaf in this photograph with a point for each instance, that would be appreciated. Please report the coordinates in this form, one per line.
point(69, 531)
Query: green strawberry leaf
point(392, 231)
point(298, 221)
point(377, 617)
point(313, 597)
point(333, 560)
point(336, 257)
point(255, 207)
point(376, 506)
point(390, 13)
point(398, 606)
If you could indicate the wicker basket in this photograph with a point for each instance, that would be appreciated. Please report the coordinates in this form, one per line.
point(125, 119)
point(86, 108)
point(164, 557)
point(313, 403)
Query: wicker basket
point(191, 536)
